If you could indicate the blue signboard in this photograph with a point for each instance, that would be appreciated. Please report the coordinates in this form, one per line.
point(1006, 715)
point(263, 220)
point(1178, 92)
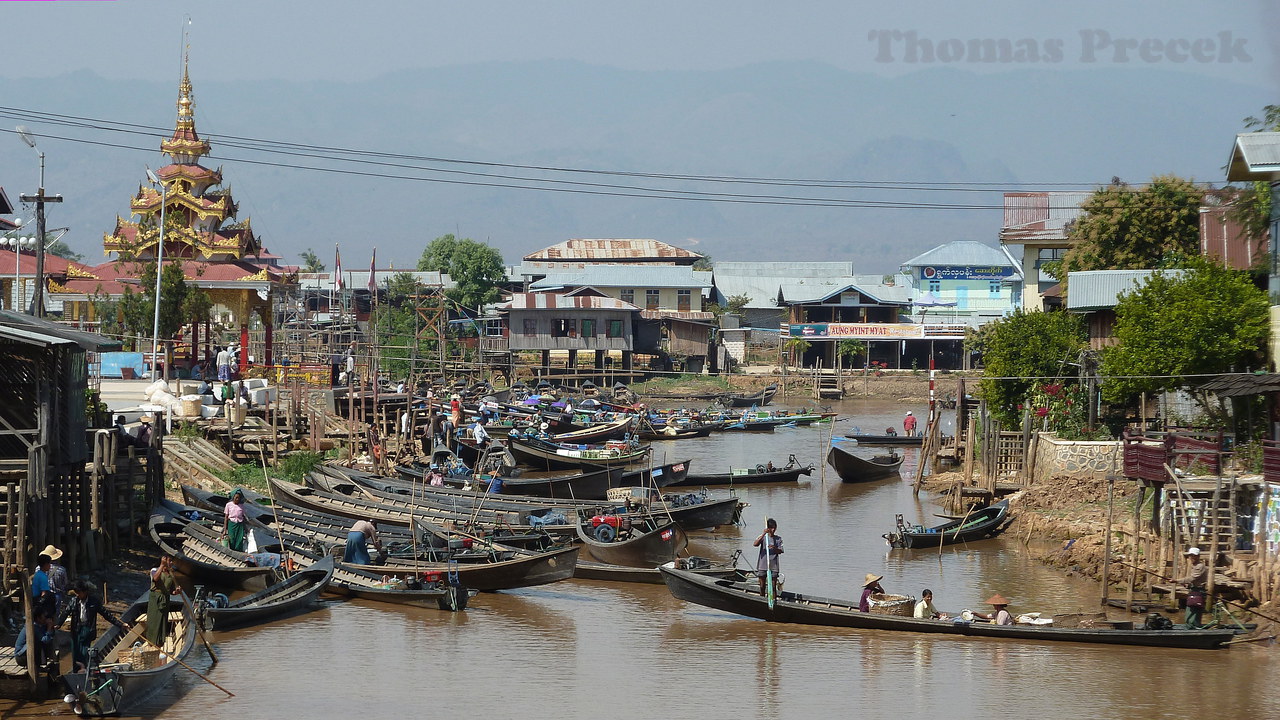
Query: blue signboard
point(966, 272)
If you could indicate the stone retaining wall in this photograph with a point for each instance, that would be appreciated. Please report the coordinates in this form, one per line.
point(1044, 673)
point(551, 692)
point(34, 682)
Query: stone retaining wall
point(1076, 458)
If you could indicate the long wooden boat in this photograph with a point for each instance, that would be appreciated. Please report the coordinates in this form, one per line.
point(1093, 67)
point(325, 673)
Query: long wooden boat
point(124, 677)
point(870, 439)
point(685, 510)
point(591, 570)
point(981, 523)
point(854, 469)
point(543, 455)
point(255, 504)
point(197, 554)
point(749, 476)
point(660, 476)
point(352, 581)
point(678, 433)
point(613, 430)
point(745, 599)
point(296, 593)
point(764, 397)
point(631, 543)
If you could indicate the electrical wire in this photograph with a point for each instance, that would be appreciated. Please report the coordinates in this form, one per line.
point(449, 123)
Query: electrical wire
point(383, 159)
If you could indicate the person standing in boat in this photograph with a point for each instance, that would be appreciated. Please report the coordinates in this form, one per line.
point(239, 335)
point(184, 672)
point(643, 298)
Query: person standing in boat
point(1196, 580)
point(909, 424)
point(163, 585)
point(770, 544)
point(234, 530)
point(870, 586)
point(84, 609)
point(358, 538)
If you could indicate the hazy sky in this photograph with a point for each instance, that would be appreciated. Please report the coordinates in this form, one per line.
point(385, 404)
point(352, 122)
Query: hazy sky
point(346, 40)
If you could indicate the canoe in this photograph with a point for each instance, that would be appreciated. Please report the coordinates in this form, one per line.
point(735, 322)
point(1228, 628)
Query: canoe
point(744, 598)
point(351, 581)
point(867, 439)
point(615, 430)
point(749, 476)
point(854, 469)
point(296, 593)
point(981, 523)
point(761, 398)
point(699, 431)
point(208, 500)
point(591, 570)
point(544, 455)
point(196, 553)
point(397, 514)
point(661, 476)
point(124, 676)
point(632, 543)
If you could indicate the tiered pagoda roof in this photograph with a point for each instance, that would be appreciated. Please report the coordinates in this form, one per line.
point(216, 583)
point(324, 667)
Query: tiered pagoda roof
point(197, 208)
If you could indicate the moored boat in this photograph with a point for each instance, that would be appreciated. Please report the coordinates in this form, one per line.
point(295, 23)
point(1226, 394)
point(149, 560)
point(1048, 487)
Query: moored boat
point(854, 469)
point(744, 598)
point(979, 524)
point(764, 397)
point(124, 675)
point(197, 553)
point(296, 593)
point(620, 540)
point(761, 473)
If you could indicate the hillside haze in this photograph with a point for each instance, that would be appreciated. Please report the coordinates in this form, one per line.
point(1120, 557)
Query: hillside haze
point(777, 120)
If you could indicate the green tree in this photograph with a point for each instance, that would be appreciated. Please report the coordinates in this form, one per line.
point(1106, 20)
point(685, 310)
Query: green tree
point(1128, 228)
point(850, 348)
point(1022, 347)
point(396, 325)
point(732, 306)
point(63, 250)
point(796, 348)
point(311, 262)
point(1253, 208)
point(703, 263)
point(475, 268)
point(1206, 319)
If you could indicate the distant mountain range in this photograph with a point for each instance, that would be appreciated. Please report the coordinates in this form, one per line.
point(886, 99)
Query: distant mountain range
point(776, 120)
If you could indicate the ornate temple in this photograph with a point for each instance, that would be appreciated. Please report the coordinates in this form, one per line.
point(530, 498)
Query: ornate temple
point(218, 251)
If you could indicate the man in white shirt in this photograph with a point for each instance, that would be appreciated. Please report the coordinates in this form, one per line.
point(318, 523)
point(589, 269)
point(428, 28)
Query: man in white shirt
point(224, 365)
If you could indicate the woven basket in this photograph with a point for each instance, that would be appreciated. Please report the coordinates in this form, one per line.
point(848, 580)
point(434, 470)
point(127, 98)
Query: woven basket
point(883, 604)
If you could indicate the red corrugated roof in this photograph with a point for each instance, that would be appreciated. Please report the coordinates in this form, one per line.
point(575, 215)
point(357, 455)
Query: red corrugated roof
point(612, 249)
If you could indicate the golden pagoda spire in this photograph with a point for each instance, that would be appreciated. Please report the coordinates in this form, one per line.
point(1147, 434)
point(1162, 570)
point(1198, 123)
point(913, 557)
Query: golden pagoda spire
point(185, 146)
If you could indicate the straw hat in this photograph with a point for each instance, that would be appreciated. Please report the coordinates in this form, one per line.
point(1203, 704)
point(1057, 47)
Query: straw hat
point(997, 600)
point(871, 578)
point(53, 552)
point(146, 419)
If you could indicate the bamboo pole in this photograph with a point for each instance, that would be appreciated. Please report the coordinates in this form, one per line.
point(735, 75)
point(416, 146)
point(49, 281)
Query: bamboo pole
point(1213, 540)
point(1133, 544)
point(1106, 547)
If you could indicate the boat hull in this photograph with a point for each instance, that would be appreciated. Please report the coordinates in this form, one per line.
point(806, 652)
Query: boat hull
point(745, 599)
point(854, 469)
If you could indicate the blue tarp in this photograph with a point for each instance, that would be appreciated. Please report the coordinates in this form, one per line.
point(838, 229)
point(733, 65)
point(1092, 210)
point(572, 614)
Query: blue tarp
point(113, 361)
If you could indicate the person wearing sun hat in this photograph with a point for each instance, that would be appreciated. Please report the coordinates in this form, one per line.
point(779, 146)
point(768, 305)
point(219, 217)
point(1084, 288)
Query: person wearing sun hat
point(59, 582)
point(1001, 615)
point(1196, 580)
point(870, 586)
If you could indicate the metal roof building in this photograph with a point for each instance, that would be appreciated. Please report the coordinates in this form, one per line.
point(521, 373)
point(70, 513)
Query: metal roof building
point(615, 250)
point(1101, 289)
point(962, 252)
point(637, 276)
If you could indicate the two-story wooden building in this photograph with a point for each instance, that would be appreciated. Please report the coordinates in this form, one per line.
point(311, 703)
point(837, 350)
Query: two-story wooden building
point(584, 321)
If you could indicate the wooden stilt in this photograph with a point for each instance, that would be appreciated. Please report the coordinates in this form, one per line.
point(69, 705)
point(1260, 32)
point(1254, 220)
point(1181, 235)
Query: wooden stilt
point(1106, 545)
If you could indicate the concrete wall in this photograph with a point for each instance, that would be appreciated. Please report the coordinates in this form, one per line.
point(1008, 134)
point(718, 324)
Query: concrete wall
point(1056, 457)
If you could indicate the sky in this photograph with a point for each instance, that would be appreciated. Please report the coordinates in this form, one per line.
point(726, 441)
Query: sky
point(352, 41)
point(331, 43)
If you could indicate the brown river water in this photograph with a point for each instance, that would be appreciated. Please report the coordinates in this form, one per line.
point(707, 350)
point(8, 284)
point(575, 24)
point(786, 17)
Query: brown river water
point(592, 650)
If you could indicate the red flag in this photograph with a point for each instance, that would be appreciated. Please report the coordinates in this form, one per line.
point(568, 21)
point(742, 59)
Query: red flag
point(337, 269)
point(373, 284)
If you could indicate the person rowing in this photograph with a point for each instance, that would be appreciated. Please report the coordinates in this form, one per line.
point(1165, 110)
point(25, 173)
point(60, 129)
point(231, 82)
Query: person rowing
point(770, 544)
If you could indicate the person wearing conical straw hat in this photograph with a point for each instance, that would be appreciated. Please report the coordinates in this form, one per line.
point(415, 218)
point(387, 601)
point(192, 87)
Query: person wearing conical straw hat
point(59, 582)
point(1001, 615)
point(870, 586)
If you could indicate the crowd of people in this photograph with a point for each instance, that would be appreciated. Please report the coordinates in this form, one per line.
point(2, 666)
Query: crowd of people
point(57, 601)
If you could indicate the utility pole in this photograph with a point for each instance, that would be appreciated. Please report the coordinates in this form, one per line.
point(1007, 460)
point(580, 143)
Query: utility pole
point(40, 198)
